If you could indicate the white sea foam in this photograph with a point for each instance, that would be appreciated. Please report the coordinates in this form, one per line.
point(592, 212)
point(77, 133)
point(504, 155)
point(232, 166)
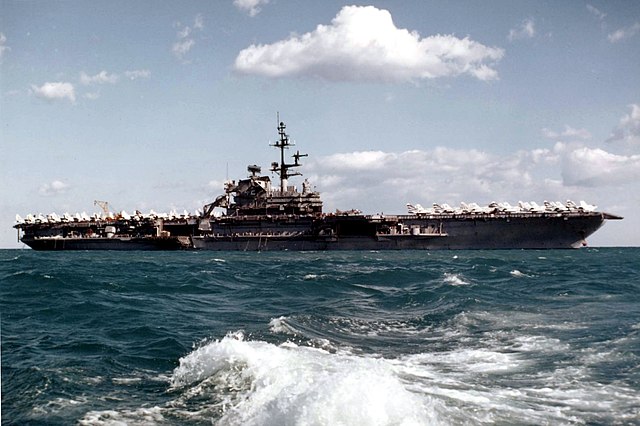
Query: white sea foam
point(454, 279)
point(126, 380)
point(470, 382)
point(360, 327)
point(289, 384)
point(519, 274)
point(57, 405)
point(280, 325)
point(233, 381)
point(140, 416)
point(528, 343)
point(468, 361)
point(517, 323)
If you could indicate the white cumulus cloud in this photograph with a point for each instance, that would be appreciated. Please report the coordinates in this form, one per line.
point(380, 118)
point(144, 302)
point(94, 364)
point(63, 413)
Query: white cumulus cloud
point(624, 33)
point(628, 129)
point(526, 29)
point(53, 91)
point(364, 160)
point(92, 96)
point(182, 47)
point(198, 22)
point(102, 77)
point(53, 188)
point(596, 12)
point(185, 41)
point(568, 132)
point(363, 43)
point(596, 167)
point(3, 47)
point(137, 74)
point(388, 180)
point(251, 7)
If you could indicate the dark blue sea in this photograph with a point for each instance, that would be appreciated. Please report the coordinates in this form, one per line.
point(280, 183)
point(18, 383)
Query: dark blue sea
point(314, 338)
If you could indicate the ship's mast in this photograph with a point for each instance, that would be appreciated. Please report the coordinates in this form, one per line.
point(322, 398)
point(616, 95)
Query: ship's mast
point(283, 168)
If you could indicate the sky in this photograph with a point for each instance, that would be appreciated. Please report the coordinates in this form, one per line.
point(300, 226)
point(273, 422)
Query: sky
point(154, 104)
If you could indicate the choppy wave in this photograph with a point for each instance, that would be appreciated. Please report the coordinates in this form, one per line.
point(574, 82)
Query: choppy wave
point(454, 279)
point(503, 379)
point(255, 382)
point(318, 338)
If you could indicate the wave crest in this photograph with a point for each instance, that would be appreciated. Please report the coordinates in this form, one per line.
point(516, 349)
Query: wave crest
point(290, 384)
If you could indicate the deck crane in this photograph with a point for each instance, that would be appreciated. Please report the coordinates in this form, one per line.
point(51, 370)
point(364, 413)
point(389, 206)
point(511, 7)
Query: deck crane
point(104, 205)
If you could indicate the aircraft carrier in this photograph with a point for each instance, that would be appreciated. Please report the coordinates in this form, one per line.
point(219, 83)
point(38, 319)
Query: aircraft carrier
point(256, 214)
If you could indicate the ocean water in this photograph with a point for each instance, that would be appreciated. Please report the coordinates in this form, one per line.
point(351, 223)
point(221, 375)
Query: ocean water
point(313, 338)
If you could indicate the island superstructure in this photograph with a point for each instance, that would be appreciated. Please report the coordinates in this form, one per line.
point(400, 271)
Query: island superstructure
point(254, 214)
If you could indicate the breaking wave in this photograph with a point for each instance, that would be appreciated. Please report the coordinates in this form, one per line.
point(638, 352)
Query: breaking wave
point(454, 279)
point(255, 382)
point(327, 339)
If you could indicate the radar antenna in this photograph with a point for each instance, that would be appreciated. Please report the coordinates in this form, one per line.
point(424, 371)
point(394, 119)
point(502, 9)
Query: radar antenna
point(283, 168)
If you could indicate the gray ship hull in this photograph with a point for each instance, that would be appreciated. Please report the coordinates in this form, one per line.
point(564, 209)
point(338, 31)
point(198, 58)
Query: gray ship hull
point(145, 243)
point(454, 233)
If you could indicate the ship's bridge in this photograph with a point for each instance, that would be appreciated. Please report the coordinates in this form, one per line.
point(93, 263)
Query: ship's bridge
point(256, 195)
